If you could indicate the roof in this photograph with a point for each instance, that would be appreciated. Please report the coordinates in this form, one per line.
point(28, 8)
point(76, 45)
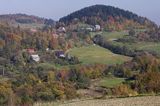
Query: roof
point(30, 50)
point(59, 53)
point(35, 57)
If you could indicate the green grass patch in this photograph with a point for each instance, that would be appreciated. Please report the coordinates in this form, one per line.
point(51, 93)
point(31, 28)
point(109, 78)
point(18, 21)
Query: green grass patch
point(148, 46)
point(96, 54)
point(114, 35)
point(111, 82)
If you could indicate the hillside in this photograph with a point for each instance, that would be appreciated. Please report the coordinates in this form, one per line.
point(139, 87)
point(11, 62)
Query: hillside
point(106, 15)
point(93, 54)
point(74, 60)
point(24, 20)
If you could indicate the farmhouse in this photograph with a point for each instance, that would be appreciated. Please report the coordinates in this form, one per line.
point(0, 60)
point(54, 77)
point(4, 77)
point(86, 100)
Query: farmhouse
point(97, 27)
point(35, 58)
point(89, 29)
point(60, 54)
point(61, 30)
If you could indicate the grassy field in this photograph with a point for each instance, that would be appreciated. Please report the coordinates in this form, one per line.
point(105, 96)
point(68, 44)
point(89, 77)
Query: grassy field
point(111, 82)
point(114, 35)
point(149, 46)
point(95, 54)
point(89, 55)
point(117, 35)
point(46, 66)
point(132, 101)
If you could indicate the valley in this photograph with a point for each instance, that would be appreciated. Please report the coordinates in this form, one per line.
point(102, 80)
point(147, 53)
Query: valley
point(98, 55)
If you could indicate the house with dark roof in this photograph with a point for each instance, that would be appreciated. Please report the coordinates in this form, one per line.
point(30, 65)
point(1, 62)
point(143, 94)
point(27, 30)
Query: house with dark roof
point(60, 54)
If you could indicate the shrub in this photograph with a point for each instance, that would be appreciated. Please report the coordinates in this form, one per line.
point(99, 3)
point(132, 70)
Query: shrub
point(79, 79)
point(5, 93)
point(124, 90)
point(148, 82)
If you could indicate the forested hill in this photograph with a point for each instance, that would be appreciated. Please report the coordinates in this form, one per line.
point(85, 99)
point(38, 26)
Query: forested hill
point(100, 14)
point(19, 19)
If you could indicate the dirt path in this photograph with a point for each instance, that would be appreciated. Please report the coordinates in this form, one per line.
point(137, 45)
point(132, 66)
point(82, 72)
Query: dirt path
point(133, 101)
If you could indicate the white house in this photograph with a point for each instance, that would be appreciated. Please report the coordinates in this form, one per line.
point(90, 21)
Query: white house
point(33, 30)
point(89, 29)
point(61, 30)
point(62, 55)
point(47, 49)
point(35, 57)
point(97, 27)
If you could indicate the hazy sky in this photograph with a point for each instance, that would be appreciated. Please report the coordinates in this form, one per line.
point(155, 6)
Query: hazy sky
point(57, 8)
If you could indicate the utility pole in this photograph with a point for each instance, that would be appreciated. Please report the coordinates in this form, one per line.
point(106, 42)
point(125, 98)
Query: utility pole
point(2, 69)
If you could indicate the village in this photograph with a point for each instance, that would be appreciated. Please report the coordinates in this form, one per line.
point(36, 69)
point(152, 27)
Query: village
point(58, 53)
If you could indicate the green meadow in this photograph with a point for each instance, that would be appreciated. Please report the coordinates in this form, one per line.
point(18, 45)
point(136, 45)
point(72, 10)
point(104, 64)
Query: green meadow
point(96, 54)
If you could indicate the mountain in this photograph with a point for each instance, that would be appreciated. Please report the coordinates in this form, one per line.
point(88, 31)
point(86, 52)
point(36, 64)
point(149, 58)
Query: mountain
point(103, 15)
point(25, 21)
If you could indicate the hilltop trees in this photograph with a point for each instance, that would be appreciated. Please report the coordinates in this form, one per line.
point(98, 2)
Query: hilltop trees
point(108, 17)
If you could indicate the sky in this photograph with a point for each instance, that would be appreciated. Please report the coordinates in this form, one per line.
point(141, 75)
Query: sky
point(56, 9)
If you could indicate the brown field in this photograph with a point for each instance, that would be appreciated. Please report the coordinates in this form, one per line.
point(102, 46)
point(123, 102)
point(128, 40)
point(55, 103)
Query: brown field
point(132, 101)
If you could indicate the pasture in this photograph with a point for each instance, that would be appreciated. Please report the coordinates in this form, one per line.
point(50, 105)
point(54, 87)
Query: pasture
point(96, 54)
point(148, 46)
point(110, 82)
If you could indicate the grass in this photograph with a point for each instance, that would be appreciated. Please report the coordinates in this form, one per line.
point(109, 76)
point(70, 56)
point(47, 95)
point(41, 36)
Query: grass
point(111, 82)
point(95, 54)
point(149, 46)
point(114, 35)
point(46, 66)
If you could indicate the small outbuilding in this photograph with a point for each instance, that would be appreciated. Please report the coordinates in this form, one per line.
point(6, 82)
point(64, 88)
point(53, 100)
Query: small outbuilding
point(35, 58)
point(60, 54)
point(97, 27)
point(61, 30)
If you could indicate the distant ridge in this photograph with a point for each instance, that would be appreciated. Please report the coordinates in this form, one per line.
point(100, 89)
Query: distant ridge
point(18, 19)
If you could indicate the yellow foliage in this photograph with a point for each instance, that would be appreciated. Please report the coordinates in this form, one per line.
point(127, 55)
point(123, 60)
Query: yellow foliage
point(124, 90)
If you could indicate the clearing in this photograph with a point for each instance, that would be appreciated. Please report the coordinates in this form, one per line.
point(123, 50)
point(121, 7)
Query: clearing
point(148, 46)
point(96, 54)
point(111, 82)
